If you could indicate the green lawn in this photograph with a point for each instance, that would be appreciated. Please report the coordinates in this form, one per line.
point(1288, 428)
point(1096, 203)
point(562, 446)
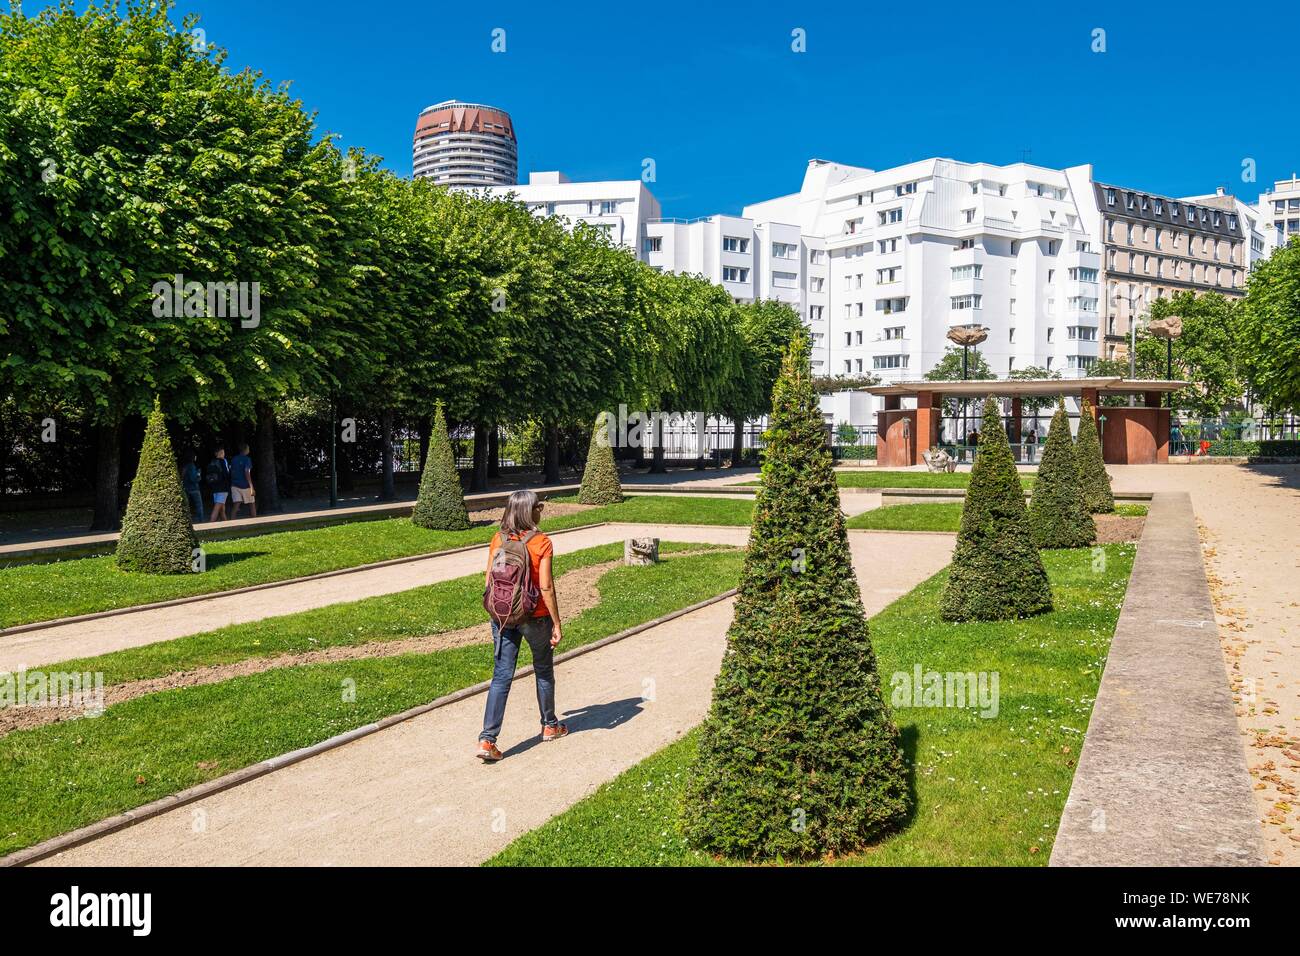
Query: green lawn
point(63, 776)
point(935, 516)
point(874, 478)
point(40, 592)
point(989, 791)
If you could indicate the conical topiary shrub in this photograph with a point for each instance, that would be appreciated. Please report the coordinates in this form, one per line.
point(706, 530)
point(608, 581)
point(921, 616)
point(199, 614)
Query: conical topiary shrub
point(157, 535)
point(996, 572)
point(440, 505)
point(1095, 480)
point(600, 482)
point(1057, 514)
point(799, 756)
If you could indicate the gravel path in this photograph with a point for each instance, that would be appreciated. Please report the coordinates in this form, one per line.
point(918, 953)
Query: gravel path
point(413, 794)
point(1250, 531)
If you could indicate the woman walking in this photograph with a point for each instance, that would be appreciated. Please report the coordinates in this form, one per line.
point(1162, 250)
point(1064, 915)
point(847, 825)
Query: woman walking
point(519, 594)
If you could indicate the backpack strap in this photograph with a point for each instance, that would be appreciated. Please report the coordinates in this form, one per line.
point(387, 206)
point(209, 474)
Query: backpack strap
point(528, 537)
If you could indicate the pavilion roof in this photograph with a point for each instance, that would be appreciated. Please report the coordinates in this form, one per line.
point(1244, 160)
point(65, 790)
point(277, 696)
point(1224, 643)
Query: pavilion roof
point(1012, 388)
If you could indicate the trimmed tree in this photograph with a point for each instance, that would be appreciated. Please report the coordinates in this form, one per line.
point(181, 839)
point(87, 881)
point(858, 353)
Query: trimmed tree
point(996, 573)
point(440, 505)
point(1095, 480)
point(600, 482)
point(157, 536)
point(799, 755)
point(1057, 513)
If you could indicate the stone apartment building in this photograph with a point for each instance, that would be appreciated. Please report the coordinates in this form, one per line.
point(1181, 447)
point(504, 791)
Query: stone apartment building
point(1155, 247)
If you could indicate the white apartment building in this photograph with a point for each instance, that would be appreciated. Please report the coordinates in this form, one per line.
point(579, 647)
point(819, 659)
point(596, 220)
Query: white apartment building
point(621, 208)
point(1279, 213)
point(895, 258)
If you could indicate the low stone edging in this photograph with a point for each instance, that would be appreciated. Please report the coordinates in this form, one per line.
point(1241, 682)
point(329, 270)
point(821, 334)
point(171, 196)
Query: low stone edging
point(1162, 777)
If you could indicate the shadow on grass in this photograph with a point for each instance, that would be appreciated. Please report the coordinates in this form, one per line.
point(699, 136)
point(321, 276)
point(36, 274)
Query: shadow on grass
point(232, 557)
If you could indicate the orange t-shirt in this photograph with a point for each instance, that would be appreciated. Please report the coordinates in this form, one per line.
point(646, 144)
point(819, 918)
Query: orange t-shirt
point(539, 546)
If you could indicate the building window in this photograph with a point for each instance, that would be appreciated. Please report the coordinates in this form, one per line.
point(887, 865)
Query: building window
point(894, 332)
point(887, 245)
point(1011, 335)
point(962, 302)
point(817, 257)
point(886, 276)
point(1080, 274)
point(890, 306)
point(734, 274)
point(889, 216)
point(858, 337)
point(888, 361)
point(968, 244)
point(966, 272)
point(785, 280)
point(784, 250)
point(905, 189)
point(654, 244)
point(735, 244)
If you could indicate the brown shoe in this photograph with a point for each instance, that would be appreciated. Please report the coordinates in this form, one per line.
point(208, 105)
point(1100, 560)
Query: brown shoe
point(487, 752)
point(554, 733)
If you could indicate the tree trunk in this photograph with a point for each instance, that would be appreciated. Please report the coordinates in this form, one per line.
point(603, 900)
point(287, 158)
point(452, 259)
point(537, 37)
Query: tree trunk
point(387, 489)
point(552, 468)
point(108, 472)
point(494, 452)
point(657, 467)
point(268, 489)
point(701, 443)
point(424, 444)
point(737, 441)
point(478, 476)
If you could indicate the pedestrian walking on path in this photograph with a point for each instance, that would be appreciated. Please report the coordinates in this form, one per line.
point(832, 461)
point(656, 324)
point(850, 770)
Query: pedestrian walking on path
point(190, 478)
point(218, 480)
point(519, 595)
point(241, 483)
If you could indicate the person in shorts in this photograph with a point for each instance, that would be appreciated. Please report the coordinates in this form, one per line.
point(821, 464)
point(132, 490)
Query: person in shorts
point(218, 479)
point(241, 483)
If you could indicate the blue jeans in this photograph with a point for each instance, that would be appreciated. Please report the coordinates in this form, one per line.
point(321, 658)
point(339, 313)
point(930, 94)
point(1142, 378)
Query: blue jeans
point(196, 504)
point(505, 648)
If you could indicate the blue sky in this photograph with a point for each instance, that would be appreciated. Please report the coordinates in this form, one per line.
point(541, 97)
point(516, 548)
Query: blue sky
point(1183, 94)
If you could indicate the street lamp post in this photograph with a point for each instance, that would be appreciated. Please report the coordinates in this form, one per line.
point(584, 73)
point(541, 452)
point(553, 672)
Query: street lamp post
point(1168, 328)
point(966, 336)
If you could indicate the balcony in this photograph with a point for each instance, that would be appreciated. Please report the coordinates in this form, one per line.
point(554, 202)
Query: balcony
point(884, 346)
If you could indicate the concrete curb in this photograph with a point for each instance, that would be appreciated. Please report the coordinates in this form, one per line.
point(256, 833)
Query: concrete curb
point(267, 585)
point(120, 821)
point(1162, 777)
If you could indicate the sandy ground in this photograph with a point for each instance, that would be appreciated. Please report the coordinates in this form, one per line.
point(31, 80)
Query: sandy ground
point(1250, 530)
point(63, 642)
point(576, 591)
point(413, 794)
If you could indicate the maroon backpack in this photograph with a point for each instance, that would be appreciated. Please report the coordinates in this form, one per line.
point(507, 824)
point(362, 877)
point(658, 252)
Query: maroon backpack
point(511, 595)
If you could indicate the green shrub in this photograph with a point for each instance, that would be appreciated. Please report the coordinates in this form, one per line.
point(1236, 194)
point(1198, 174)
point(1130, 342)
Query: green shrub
point(1280, 448)
point(157, 536)
point(1097, 495)
point(440, 505)
point(600, 481)
point(1058, 515)
point(996, 571)
point(799, 755)
point(1232, 447)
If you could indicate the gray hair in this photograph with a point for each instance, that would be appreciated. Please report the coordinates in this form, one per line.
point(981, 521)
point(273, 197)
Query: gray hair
point(518, 517)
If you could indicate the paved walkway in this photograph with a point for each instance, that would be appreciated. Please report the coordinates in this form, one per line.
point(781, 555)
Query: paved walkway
point(1251, 542)
point(1161, 778)
point(414, 795)
point(63, 642)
